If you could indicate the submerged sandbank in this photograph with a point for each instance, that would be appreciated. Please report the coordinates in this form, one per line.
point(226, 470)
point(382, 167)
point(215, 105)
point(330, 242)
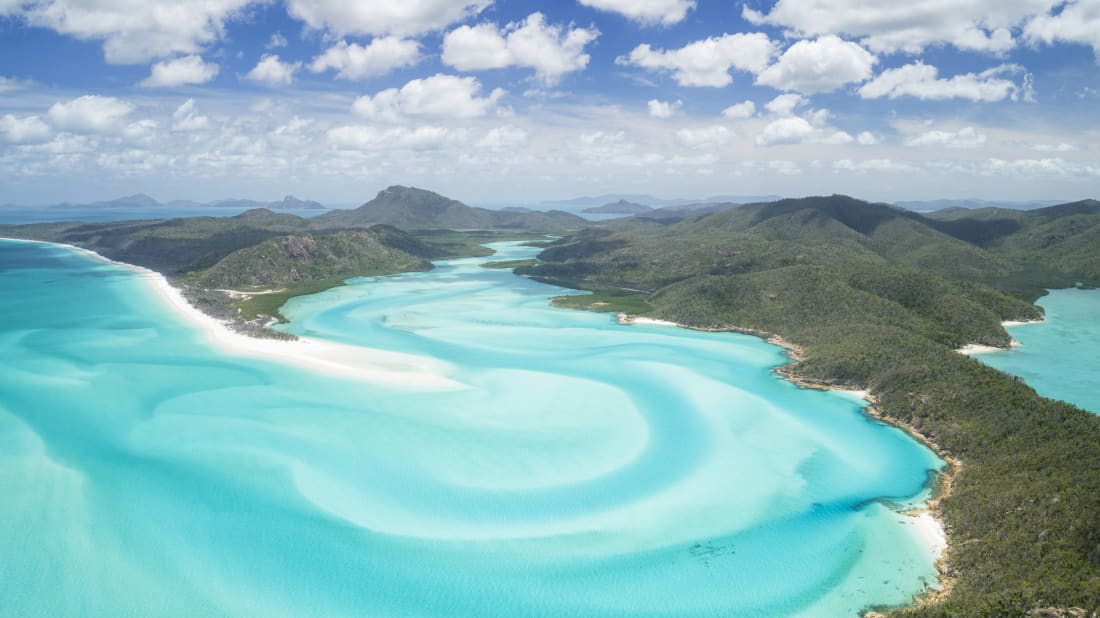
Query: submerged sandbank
point(348, 361)
point(926, 520)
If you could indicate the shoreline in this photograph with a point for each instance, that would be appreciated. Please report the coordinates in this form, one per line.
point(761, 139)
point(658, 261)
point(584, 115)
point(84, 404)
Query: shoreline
point(972, 349)
point(381, 367)
point(929, 519)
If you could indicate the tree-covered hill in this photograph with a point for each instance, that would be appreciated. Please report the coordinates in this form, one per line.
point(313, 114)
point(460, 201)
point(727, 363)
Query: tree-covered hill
point(416, 209)
point(879, 298)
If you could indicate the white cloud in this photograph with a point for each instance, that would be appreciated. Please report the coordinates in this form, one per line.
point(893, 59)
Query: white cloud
point(920, 80)
point(707, 62)
point(967, 137)
point(140, 131)
point(136, 31)
point(1063, 147)
point(187, 117)
point(89, 114)
point(11, 84)
point(704, 137)
point(744, 109)
point(26, 130)
point(276, 41)
point(440, 96)
point(1077, 22)
point(273, 72)
point(866, 138)
point(888, 26)
point(354, 61)
point(786, 127)
point(664, 12)
point(507, 136)
point(664, 109)
point(180, 72)
point(817, 66)
point(377, 17)
point(785, 104)
point(551, 50)
point(876, 166)
point(375, 138)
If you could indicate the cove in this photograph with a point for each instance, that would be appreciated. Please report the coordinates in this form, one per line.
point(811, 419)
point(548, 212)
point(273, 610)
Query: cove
point(1060, 356)
point(571, 466)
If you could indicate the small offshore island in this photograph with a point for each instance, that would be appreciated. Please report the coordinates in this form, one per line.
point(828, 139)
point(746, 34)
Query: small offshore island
point(867, 297)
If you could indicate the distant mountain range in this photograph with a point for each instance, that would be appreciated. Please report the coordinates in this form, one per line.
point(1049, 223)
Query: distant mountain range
point(970, 204)
point(141, 201)
point(655, 202)
point(621, 207)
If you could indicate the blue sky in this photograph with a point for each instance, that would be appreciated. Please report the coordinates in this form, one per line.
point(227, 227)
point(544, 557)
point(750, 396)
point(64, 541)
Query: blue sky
point(520, 101)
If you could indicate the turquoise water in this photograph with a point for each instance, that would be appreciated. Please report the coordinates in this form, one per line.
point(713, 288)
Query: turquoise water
point(1059, 357)
point(582, 468)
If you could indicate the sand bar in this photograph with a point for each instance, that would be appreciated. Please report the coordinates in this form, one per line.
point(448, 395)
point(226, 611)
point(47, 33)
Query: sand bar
point(383, 367)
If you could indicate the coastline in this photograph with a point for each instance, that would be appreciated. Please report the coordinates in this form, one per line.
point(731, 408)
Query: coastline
point(976, 348)
point(367, 364)
point(928, 519)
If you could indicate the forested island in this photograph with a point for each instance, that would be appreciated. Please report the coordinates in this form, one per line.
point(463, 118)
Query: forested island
point(869, 296)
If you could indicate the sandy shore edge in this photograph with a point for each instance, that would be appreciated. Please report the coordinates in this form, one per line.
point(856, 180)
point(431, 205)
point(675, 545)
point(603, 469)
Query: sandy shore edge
point(927, 520)
point(382, 367)
point(974, 348)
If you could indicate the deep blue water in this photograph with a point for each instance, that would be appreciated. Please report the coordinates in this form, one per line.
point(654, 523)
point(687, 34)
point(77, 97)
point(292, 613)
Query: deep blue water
point(578, 467)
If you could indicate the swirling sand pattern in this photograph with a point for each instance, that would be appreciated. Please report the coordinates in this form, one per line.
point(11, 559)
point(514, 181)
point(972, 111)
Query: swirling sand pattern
point(581, 468)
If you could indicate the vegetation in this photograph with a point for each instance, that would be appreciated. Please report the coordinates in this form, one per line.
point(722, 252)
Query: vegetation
point(509, 264)
point(242, 269)
point(879, 298)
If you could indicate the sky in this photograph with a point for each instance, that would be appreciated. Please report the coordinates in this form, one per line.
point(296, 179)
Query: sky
point(517, 101)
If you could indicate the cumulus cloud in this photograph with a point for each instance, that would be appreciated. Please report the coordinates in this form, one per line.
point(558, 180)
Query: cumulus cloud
point(866, 138)
point(25, 130)
point(785, 104)
point(354, 61)
point(551, 50)
point(788, 127)
point(439, 96)
point(187, 117)
point(822, 65)
point(180, 72)
point(89, 114)
point(704, 137)
point(921, 81)
point(664, 109)
point(744, 109)
point(1076, 22)
point(664, 12)
point(136, 32)
point(707, 62)
point(378, 17)
point(887, 26)
point(272, 71)
point(967, 137)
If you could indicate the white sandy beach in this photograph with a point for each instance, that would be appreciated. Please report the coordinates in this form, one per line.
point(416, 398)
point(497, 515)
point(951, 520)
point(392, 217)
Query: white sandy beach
point(974, 348)
point(930, 530)
point(377, 366)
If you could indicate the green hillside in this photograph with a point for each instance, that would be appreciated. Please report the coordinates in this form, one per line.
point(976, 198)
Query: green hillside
point(416, 209)
point(878, 298)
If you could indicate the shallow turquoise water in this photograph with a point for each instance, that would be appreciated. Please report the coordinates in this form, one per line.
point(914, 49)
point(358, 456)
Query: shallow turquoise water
point(584, 468)
point(1059, 357)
